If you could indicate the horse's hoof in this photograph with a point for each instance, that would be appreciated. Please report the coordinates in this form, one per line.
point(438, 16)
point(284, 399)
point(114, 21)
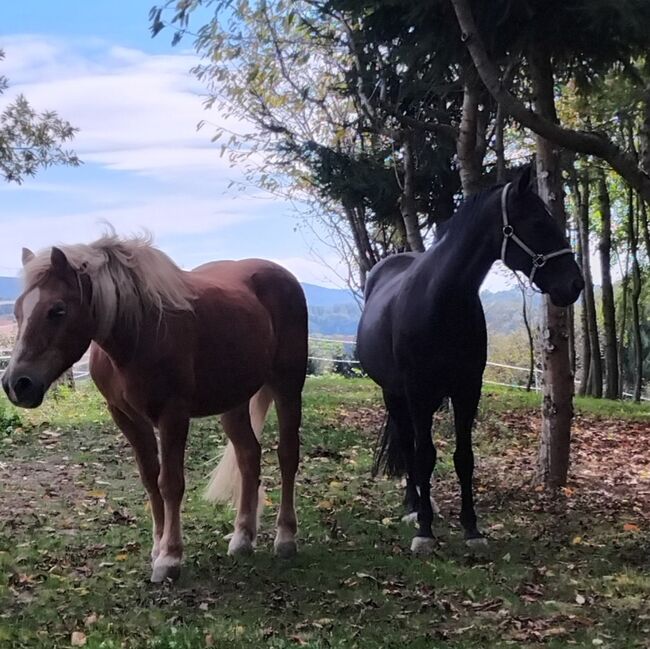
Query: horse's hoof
point(165, 568)
point(240, 545)
point(477, 543)
point(411, 518)
point(422, 546)
point(285, 549)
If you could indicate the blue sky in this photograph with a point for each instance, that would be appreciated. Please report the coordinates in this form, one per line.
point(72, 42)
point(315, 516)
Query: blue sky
point(145, 164)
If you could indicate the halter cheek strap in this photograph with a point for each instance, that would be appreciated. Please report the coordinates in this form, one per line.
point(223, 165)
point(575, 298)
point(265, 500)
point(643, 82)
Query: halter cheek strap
point(539, 260)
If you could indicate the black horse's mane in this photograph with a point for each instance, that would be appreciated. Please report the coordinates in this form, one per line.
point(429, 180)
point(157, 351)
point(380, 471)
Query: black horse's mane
point(461, 218)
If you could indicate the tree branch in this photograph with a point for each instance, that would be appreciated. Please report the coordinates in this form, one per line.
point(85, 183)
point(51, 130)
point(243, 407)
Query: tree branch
point(597, 144)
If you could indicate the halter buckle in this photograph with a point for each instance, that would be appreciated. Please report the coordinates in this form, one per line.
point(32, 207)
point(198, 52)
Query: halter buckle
point(539, 261)
point(508, 231)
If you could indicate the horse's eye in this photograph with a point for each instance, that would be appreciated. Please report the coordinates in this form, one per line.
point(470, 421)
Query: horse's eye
point(56, 312)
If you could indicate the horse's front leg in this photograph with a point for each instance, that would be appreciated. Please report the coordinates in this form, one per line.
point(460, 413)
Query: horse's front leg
point(465, 405)
point(142, 438)
point(173, 426)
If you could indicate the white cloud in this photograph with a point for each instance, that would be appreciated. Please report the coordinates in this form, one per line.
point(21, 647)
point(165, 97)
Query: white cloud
point(135, 111)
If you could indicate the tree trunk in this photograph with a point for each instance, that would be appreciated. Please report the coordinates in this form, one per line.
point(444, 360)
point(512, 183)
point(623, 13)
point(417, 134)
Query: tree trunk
point(466, 147)
point(636, 293)
point(585, 353)
point(557, 385)
point(366, 257)
point(572, 338)
point(645, 228)
point(407, 202)
point(609, 307)
point(589, 303)
point(623, 326)
point(531, 342)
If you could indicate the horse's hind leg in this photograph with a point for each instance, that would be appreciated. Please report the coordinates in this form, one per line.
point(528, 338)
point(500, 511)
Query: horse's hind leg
point(422, 407)
point(142, 438)
point(400, 452)
point(465, 403)
point(237, 425)
point(288, 405)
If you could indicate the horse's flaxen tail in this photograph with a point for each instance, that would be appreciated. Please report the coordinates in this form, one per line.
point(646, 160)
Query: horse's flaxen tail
point(225, 482)
point(389, 451)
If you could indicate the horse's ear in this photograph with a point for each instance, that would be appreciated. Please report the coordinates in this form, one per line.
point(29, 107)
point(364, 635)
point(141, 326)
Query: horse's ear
point(28, 255)
point(522, 183)
point(59, 262)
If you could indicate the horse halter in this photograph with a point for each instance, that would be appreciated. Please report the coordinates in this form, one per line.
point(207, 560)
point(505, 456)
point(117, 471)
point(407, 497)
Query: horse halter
point(539, 259)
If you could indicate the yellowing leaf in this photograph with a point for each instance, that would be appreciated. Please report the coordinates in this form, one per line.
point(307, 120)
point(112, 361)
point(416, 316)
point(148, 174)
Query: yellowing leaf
point(97, 493)
point(631, 527)
point(577, 540)
point(121, 557)
point(325, 504)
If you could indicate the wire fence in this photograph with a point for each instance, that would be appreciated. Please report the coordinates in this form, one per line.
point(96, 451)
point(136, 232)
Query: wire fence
point(512, 370)
point(81, 369)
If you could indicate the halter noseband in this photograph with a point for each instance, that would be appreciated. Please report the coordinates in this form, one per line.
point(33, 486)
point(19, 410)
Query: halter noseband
point(539, 260)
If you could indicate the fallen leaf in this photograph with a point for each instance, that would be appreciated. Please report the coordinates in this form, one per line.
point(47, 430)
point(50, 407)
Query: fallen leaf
point(631, 527)
point(580, 599)
point(78, 639)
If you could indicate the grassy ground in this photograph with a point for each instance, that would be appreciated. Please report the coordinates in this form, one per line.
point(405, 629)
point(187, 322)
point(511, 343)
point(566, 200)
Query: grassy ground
point(572, 570)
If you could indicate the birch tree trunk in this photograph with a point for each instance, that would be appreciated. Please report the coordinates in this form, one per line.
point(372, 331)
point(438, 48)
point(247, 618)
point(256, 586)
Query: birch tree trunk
point(607, 291)
point(595, 379)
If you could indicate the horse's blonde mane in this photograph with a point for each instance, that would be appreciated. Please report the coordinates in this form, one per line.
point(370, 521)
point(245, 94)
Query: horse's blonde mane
point(129, 278)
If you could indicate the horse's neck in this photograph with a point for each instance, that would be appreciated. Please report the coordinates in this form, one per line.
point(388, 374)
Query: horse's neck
point(123, 344)
point(464, 256)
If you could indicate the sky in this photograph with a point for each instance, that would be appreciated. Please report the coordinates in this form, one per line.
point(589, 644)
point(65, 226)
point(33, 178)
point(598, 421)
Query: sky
point(145, 163)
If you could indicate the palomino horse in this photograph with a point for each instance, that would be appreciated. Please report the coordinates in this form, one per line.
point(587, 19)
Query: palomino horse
point(168, 345)
point(422, 333)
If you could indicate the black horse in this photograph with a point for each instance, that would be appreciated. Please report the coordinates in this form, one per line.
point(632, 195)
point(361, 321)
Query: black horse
point(422, 334)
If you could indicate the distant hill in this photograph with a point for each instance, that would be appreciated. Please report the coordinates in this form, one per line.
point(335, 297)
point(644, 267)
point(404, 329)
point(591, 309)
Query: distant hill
point(335, 312)
point(326, 297)
point(9, 288)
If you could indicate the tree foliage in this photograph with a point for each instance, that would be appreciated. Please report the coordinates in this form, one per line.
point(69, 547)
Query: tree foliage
point(29, 140)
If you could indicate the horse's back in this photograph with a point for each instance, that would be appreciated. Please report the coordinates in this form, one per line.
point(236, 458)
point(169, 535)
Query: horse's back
point(259, 282)
point(388, 271)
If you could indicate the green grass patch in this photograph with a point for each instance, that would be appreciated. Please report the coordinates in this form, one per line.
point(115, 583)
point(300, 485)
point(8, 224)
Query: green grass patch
point(75, 539)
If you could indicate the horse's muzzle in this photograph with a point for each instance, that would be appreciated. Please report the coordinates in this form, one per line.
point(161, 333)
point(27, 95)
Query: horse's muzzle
point(24, 391)
point(566, 295)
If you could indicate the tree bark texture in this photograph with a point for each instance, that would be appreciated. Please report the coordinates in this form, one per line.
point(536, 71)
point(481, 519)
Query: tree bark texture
point(407, 202)
point(632, 233)
point(557, 385)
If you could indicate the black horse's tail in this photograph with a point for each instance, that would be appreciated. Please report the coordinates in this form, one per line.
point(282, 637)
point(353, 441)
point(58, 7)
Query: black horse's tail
point(389, 451)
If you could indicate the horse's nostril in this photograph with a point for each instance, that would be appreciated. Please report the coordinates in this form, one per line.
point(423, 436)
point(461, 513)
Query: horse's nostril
point(22, 386)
